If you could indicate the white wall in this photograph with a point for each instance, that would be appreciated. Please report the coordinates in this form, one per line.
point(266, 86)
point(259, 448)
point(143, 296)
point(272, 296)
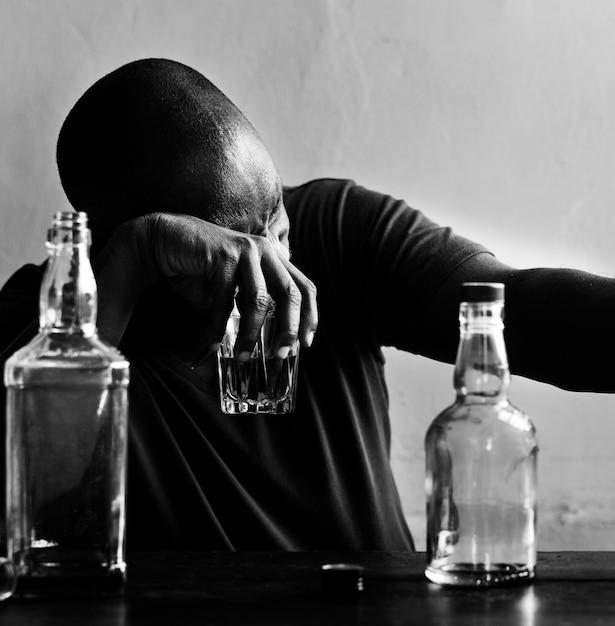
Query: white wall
point(494, 116)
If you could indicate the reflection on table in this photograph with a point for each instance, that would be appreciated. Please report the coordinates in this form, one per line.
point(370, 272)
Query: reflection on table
point(285, 588)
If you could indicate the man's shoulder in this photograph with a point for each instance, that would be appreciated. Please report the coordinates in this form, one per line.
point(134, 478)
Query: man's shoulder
point(317, 189)
point(19, 303)
point(25, 280)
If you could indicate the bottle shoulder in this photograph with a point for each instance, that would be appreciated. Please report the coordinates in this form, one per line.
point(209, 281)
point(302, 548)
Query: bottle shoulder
point(486, 416)
point(51, 355)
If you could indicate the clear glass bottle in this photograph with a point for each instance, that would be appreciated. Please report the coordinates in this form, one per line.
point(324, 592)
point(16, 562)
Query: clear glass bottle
point(481, 457)
point(66, 418)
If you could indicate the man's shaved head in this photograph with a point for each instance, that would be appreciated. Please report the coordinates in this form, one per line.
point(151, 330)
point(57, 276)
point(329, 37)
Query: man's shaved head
point(156, 135)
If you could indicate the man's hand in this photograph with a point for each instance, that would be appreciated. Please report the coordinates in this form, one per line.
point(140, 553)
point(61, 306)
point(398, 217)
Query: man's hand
point(206, 264)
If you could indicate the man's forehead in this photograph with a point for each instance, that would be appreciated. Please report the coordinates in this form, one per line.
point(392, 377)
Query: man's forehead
point(261, 188)
point(265, 207)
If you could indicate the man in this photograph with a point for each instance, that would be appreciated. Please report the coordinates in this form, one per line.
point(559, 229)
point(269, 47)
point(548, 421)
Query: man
point(187, 209)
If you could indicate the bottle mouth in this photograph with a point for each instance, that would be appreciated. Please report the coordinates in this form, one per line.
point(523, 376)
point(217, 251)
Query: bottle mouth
point(68, 227)
point(69, 219)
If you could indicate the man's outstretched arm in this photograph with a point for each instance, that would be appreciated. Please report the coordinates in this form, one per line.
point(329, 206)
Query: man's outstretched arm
point(397, 277)
point(558, 322)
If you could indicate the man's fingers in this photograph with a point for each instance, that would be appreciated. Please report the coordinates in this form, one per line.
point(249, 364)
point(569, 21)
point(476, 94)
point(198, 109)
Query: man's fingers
point(221, 304)
point(222, 307)
point(288, 301)
point(253, 302)
point(309, 307)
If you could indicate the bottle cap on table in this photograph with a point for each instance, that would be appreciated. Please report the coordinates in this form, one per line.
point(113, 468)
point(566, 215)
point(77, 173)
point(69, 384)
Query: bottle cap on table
point(341, 580)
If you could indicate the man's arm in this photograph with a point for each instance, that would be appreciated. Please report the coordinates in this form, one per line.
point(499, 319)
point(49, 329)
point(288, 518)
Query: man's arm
point(558, 322)
point(395, 277)
point(209, 263)
point(122, 276)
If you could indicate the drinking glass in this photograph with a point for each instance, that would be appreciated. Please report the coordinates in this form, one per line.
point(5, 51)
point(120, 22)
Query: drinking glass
point(263, 383)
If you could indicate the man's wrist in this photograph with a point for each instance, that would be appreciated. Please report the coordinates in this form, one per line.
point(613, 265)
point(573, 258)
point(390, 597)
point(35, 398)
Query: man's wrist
point(132, 244)
point(123, 272)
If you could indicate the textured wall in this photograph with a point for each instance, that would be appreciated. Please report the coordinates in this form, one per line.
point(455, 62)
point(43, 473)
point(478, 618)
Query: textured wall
point(495, 116)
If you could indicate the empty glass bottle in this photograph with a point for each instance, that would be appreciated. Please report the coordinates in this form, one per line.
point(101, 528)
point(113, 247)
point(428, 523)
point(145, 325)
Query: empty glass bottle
point(481, 461)
point(66, 434)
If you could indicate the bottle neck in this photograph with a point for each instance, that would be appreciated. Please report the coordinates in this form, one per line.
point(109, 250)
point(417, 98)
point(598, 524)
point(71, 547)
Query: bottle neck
point(481, 369)
point(68, 291)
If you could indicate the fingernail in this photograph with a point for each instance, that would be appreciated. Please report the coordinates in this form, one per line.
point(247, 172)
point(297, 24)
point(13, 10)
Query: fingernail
point(282, 352)
point(243, 357)
point(309, 338)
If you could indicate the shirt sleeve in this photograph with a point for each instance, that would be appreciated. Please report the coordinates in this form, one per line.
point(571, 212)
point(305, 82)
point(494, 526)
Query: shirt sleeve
point(381, 262)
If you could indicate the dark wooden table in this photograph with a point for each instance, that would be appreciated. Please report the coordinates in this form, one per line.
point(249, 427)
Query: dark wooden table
point(284, 588)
